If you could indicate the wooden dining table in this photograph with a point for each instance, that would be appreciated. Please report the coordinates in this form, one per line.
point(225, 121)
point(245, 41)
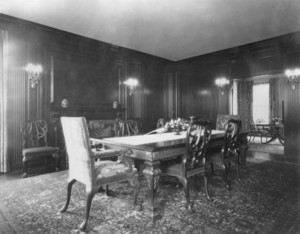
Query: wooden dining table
point(150, 150)
point(276, 132)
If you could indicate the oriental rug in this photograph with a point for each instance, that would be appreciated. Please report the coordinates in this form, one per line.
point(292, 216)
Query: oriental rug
point(267, 201)
point(274, 147)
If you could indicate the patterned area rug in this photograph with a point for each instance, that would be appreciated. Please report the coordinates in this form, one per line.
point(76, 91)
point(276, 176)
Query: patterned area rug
point(274, 147)
point(267, 201)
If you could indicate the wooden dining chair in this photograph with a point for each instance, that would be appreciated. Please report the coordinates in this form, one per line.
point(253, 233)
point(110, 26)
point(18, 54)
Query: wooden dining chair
point(35, 144)
point(193, 162)
point(229, 152)
point(85, 169)
point(258, 131)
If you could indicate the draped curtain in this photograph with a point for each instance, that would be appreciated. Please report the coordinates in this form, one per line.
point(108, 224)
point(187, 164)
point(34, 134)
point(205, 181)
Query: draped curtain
point(4, 164)
point(273, 86)
point(244, 99)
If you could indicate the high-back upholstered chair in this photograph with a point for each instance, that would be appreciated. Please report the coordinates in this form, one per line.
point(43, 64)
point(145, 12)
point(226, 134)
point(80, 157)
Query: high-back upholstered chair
point(222, 120)
point(229, 153)
point(35, 144)
point(84, 168)
point(160, 123)
point(194, 161)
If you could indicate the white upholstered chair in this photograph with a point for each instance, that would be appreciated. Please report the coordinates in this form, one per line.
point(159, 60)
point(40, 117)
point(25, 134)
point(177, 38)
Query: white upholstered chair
point(94, 174)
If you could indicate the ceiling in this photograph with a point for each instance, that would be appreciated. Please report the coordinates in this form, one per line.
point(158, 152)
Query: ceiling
point(171, 29)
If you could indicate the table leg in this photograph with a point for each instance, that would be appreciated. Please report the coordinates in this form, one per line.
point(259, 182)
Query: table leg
point(276, 135)
point(152, 174)
point(280, 138)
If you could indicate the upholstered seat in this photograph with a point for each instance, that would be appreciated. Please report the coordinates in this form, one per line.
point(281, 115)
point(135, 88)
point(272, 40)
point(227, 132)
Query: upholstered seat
point(39, 150)
point(84, 168)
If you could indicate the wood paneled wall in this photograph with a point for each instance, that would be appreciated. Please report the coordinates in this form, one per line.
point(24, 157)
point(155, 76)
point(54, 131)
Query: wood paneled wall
point(90, 73)
point(268, 58)
point(87, 72)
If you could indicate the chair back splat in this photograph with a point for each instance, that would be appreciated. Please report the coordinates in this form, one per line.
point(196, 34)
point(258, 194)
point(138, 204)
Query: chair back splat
point(232, 131)
point(34, 133)
point(198, 137)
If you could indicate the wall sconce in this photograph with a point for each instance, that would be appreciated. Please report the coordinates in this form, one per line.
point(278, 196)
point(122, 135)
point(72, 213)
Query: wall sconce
point(132, 84)
point(292, 76)
point(221, 82)
point(34, 72)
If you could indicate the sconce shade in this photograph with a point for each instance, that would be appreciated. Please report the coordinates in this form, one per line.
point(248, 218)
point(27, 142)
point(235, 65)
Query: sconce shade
point(34, 72)
point(292, 76)
point(221, 82)
point(131, 83)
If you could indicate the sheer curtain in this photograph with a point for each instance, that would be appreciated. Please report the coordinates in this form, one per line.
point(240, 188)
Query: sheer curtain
point(261, 102)
point(4, 165)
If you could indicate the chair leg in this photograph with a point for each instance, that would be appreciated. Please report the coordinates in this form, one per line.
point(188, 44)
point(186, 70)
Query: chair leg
point(46, 163)
point(237, 165)
point(186, 185)
point(56, 158)
point(90, 193)
point(24, 167)
point(206, 186)
point(225, 177)
point(69, 190)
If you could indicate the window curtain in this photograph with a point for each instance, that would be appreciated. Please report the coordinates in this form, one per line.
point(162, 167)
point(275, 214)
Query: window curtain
point(4, 164)
point(261, 102)
point(273, 110)
point(244, 99)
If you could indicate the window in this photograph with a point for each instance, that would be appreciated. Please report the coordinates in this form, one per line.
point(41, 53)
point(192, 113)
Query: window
point(261, 103)
point(234, 104)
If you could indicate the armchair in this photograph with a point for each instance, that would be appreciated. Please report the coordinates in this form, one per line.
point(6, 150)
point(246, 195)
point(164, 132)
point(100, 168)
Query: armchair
point(260, 131)
point(230, 151)
point(222, 120)
point(194, 161)
point(93, 174)
point(35, 144)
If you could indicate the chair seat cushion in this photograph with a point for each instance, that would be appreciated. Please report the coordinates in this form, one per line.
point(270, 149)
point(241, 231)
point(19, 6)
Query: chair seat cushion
point(36, 151)
point(110, 171)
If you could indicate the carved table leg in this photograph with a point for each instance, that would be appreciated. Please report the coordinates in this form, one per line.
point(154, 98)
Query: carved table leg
point(24, 167)
point(152, 174)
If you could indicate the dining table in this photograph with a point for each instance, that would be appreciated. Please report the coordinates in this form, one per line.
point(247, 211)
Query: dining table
point(150, 150)
point(275, 130)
